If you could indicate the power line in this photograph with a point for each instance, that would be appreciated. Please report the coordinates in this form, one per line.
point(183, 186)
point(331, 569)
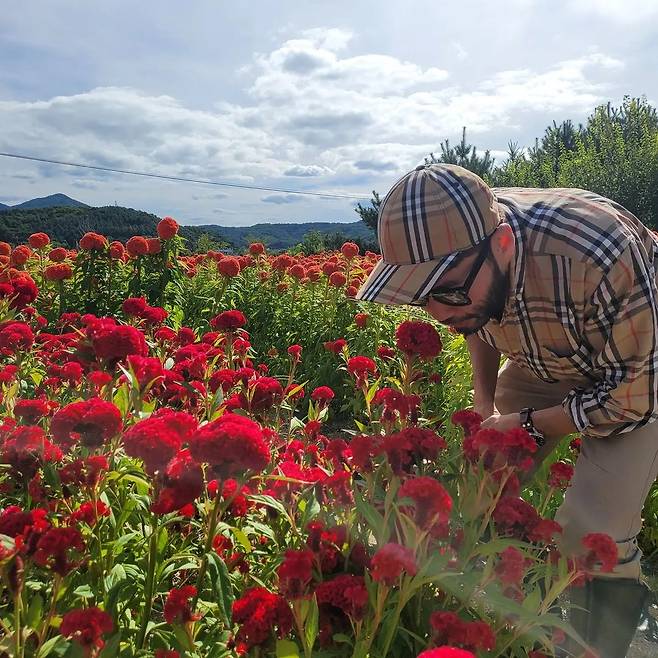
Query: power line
point(185, 180)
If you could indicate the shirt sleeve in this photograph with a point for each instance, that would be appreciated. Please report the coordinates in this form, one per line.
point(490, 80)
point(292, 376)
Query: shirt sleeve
point(621, 325)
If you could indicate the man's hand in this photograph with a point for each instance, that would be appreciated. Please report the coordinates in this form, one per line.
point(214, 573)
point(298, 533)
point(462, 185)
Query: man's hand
point(502, 422)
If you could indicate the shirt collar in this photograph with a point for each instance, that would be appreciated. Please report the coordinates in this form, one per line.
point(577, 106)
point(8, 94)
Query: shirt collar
point(517, 264)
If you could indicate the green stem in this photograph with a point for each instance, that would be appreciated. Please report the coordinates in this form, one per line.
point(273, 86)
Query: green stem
point(150, 582)
point(18, 632)
point(53, 603)
point(212, 524)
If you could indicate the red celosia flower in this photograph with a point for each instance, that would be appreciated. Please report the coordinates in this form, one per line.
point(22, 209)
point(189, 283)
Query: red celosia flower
point(349, 250)
point(446, 652)
point(515, 517)
point(337, 279)
point(339, 486)
point(231, 445)
point(560, 475)
point(84, 472)
point(38, 240)
point(157, 439)
point(147, 369)
point(384, 352)
point(360, 367)
point(91, 422)
point(57, 255)
point(167, 228)
point(498, 449)
point(260, 613)
point(448, 628)
point(177, 606)
point(511, 566)
point(602, 550)
point(20, 289)
point(468, 420)
point(361, 320)
point(93, 242)
point(295, 573)
point(544, 531)
point(58, 272)
point(137, 246)
point(432, 503)
point(363, 449)
point(113, 342)
point(417, 338)
point(229, 267)
point(346, 593)
point(180, 484)
point(54, 548)
point(117, 250)
point(30, 411)
point(166, 653)
point(26, 448)
point(295, 351)
point(224, 379)
point(89, 513)
point(256, 248)
point(15, 336)
point(154, 245)
point(335, 346)
point(86, 627)
point(134, 305)
point(263, 393)
point(322, 394)
point(228, 321)
point(390, 561)
point(20, 254)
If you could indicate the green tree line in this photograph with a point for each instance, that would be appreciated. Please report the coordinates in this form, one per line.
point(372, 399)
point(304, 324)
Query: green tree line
point(615, 154)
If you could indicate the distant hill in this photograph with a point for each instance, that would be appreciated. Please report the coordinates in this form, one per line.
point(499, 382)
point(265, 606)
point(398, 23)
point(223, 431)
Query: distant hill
point(66, 225)
point(48, 202)
point(2, 206)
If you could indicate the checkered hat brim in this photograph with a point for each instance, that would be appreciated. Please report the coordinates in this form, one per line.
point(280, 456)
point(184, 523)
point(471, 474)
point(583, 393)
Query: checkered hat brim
point(430, 215)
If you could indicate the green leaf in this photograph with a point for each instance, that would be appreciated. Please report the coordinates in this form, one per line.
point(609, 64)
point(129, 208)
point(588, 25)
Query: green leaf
point(286, 649)
point(374, 519)
point(311, 624)
point(34, 612)
point(242, 538)
point(221, 586)
point(48, 646)
point(84, 592)
point(111, 648)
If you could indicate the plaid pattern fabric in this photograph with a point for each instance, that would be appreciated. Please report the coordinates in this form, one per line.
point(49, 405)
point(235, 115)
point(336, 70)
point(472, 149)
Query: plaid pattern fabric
point(583, 305)
point(428, 216)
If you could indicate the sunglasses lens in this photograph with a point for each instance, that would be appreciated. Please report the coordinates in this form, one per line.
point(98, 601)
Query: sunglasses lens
point(452, 298)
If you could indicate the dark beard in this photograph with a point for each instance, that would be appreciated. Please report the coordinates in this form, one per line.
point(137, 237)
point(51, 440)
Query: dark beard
point(493, 305)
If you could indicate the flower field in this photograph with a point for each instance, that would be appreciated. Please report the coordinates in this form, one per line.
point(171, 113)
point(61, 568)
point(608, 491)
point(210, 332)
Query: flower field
point(211, 455)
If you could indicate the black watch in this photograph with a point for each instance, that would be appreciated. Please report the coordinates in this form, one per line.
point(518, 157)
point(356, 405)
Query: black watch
point(529, 427)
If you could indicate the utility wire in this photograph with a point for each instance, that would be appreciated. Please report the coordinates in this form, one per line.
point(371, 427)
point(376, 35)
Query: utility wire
point(185, 180)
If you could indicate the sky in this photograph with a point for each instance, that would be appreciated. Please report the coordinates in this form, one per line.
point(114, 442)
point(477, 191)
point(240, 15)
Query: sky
point(339, 97)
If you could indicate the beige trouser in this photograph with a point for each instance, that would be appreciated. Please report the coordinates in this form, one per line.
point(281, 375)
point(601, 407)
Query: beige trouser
point(612, 476)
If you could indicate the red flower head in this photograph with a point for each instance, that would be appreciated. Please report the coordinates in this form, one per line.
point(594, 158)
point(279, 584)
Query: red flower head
point(468, 420)
point(87, 627)
point(602, 550)
point(93, 242)
point(295, 573)
point(349, 250)
point(390, 561)
point(335, 346)
point(322, 394)
point(229, 267)
point(137, 246)
point(113, 342)
point(58, 272)
point(180, 484)
point(166, 653)
point(448, 628)
point(54, 549)
point(295, 352)
point(361, 320)
point(20, 288)
point(38, 240)
point(167, 228)
point(134, 306)
point(57, 255)
point(263, 394)
point(228, 321)
point(384, 352)
point(30, 411)
point(512, 566)
point(117, 250)
point(177, 606)
point(256, 248)
point(360, 367)
point(515, 517)
point(15, 336)
point(560, 475)
point(432, 503)
point(89, 513)
point(260, 613)
point(156, 440)
point(446, 652)
point(337, 279)
point(147, 369)
point(417, 338)
point(26, 448)
point(91, 422)
point(346, 593)
point(363, 449)
point(231, 445)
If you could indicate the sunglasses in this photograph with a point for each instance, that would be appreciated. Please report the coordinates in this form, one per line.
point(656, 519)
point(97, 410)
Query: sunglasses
point(458, 296)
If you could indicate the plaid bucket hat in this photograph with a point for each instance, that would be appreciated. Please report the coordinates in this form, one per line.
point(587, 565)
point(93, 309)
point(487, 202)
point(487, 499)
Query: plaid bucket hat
point(428, 216)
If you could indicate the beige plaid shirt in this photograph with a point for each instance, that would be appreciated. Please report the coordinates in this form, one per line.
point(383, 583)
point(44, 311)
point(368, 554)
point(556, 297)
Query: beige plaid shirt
point(583, 305)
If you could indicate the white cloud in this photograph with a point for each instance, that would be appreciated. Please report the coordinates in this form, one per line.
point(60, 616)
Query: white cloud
point(617, 11)
point(307, 170)
point(281, 198)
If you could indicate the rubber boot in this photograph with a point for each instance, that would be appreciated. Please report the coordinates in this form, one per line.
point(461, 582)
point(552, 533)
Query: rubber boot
point(607, 615)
